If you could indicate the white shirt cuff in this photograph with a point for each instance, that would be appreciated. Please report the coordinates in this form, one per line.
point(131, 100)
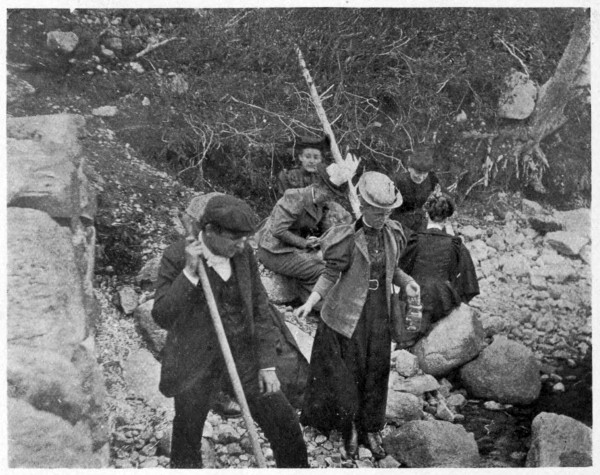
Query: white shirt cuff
point(269, 369)
point(193, 279)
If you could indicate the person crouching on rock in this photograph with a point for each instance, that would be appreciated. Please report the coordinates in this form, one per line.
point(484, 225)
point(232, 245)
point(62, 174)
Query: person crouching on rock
point(440, 263)
point(350, 360)
point(288, 242)
point(192, 364)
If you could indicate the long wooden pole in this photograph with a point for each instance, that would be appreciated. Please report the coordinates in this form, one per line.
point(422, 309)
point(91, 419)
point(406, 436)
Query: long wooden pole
point(337, 155)
point(230, 363)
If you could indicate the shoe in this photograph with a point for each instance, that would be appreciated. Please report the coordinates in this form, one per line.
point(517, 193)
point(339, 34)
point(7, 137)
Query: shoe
point(351, 442)
point(226, 406)
point(374, 444)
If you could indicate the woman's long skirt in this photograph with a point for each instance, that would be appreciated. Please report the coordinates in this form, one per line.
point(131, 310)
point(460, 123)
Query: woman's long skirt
point(348, 377)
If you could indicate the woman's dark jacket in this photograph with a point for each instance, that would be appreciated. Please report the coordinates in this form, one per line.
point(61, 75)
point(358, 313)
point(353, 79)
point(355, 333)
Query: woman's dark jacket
point(414, 195)
point(442, 266)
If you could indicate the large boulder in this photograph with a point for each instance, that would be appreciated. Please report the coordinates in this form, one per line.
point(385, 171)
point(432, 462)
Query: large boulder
point(559, 441)
point(45, 167)
point(517, 99)
point(402, 406)
point(506, 371)
point(576, 221)
point(419, 444)
point(454, 340)
point(154, 335)
point(40, 439)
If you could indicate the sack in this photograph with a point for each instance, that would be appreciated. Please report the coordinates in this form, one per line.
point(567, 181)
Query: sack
point(402, 337)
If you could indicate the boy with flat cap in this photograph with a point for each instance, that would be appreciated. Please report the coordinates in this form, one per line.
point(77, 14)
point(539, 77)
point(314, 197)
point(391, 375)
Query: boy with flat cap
point(192, 363)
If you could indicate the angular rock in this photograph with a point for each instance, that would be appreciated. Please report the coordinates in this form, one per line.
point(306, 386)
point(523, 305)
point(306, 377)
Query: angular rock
point(517, 99)
point(492, 324)
point(416, 385)
point(453, 341)
point(566, 243)
point(531, 207)
point(155, 336)
point(497, 242)
point(226, 434)
point(585, 254)
point(456, 400)
point(64, 41)
point(471, 232)
point(141, 373)
point(558, 273)
point(576, 221)
point(405, 363)
point(538, 282)
point(17, 89)
point(505, 371)
point(479, 250)
point(420, 444)
point(39, 439)
point(149, 272)
point(128, 299)
point(105, 111)
point(515, 266)
point(389, 462)
point(303, 339)
point(559, 441)
point(403, 406)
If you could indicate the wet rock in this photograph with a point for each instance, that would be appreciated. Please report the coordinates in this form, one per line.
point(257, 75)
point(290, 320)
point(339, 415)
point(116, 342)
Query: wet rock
point(63, 41)
point(506, 371)
point(565, 242)
point(155, 336)
point(559, 441)
point(405, 363)
point(105, 111)
point(432, 444)
point(518, 96)
point(127, 299)
point(454, 340)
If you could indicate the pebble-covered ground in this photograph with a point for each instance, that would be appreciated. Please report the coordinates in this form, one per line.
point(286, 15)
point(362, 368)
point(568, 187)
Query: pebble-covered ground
point(553, 320)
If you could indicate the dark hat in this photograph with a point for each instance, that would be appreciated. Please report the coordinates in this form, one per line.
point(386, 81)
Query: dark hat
point(230, 213)
point(324, 172)
point(421, 159)
point(298, 144)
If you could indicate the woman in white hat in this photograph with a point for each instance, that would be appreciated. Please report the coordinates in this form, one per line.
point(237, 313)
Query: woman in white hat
point(350, 361)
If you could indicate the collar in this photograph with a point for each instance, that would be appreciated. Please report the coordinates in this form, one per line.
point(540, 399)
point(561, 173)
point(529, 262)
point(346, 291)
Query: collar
point(221, 264)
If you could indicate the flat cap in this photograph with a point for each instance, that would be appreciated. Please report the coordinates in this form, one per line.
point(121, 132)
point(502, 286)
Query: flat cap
point(229, 213)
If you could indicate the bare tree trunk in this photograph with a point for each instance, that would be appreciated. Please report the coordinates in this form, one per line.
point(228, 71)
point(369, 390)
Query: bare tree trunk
point(526, 158)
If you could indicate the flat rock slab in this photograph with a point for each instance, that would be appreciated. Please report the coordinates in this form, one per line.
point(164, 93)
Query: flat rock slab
point(565, 242)
point(559, 441)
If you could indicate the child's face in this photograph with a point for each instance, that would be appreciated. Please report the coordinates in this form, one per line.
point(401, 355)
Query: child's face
point(310, 158)
point(417, 176)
